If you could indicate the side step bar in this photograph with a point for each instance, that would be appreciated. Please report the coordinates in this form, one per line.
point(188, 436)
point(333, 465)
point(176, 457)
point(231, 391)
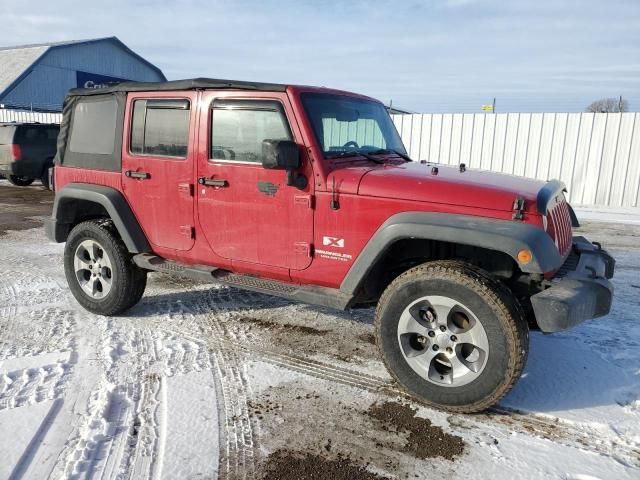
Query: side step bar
point(159, 264)
point(315, 295)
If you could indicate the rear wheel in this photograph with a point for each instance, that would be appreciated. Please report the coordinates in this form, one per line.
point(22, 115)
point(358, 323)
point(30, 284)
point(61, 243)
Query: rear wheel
point(20, 181)
point(452, 336)
point(99, 269)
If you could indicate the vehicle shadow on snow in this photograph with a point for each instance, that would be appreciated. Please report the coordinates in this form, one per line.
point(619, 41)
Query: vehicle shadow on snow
point(230, 299)
point(563, 373)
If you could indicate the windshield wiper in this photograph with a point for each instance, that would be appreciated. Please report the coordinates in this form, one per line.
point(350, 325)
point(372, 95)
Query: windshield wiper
point(382, 151)
point(357, 154)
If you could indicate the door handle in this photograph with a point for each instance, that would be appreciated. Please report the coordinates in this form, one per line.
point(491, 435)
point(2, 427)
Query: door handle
point(210, 182)
point(140, 175)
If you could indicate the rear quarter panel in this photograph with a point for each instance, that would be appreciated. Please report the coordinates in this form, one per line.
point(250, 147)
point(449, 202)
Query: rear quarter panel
point(65, 175)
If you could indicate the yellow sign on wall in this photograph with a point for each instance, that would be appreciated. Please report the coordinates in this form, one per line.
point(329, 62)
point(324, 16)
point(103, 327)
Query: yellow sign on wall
point(487, 108)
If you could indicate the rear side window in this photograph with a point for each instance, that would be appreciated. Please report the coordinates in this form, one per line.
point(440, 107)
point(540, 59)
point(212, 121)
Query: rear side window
point(37, 135)
point(31, 135)
point(94, 127)
point(160, 127)
point(238, 128)
point(52, 133)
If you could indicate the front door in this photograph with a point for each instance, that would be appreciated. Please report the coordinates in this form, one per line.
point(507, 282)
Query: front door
point(158, 166)
point(248, 213)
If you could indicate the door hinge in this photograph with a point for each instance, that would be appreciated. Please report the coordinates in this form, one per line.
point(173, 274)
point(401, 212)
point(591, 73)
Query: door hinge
point(188, 231)
point(303, 248)
point(306, 200)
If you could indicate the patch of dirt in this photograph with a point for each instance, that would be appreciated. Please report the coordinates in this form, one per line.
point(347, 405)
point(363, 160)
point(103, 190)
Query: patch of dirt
point(19, 204)
point(313, 333)
point(259, 409)
point(269, 324)
point(288, 465)
point(425, 440)
point(171, 281)
point(368, 338)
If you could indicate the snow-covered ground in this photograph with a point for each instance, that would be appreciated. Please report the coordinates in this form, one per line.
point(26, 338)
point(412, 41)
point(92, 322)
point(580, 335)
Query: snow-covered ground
point(202, 381)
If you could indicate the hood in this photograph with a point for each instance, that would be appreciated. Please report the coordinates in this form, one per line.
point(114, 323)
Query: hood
point(472, 188)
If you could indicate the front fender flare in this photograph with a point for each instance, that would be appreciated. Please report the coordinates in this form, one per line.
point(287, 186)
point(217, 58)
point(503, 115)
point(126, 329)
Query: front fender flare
point(111, 200)
point(499, 235)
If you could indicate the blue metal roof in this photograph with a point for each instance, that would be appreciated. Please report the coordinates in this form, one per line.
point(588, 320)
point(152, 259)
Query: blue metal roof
point(18, 61)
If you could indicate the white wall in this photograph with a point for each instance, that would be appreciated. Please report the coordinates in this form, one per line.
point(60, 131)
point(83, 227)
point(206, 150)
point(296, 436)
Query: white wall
point(597, 155)
point(7, 115)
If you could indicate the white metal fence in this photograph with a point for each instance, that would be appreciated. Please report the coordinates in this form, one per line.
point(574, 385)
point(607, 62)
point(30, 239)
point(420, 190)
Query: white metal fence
point(597, 155)
point(26, 116)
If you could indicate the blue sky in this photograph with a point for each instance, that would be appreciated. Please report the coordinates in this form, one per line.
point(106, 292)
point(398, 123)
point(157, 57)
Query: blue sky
point(427, 56)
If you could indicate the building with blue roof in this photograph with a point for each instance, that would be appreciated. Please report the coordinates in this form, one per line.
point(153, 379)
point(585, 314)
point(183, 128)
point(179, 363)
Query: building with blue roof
point(37, 77)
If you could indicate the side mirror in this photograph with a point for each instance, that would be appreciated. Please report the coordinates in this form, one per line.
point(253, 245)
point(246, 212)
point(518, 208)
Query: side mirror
point(280, 155)
point(284, 155)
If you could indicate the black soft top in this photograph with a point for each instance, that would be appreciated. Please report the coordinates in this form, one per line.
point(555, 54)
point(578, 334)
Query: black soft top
point(116, 96)
point(188, 84)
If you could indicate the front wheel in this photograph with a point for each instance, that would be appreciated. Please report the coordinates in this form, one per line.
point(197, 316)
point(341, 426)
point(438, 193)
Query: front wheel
point(452, 336)
point(99, 269)
point(20, 181)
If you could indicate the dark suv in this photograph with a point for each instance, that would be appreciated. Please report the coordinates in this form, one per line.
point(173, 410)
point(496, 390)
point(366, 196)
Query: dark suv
point(27, 151)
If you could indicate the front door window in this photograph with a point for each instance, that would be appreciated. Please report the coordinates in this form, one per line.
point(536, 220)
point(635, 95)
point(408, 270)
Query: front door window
point(239, 127)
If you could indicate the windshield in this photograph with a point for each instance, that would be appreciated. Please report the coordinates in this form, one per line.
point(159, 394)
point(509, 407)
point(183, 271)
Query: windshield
point(345, 124)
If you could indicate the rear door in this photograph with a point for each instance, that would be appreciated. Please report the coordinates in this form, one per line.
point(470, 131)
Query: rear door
point(157, 165)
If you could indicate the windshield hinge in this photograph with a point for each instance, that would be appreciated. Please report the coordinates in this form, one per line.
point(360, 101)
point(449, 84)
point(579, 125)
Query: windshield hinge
point(519, 207)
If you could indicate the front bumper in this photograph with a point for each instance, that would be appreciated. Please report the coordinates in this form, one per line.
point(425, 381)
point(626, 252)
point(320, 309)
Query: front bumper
point(580, 290)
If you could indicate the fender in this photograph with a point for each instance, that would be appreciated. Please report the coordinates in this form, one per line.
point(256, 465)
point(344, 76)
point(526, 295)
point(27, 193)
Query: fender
point(63, 218)
point(499, 235)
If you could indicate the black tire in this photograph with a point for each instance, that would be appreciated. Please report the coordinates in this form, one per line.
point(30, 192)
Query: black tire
point(494, 306)
point(44, 179)
point(20, 181)
point(128, 281)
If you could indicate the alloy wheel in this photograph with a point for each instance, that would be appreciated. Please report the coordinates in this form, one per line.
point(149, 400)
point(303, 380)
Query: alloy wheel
point(443, 341)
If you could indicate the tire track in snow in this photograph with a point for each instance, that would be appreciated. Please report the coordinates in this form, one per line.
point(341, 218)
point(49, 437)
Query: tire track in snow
point(37, 332)
point(8, 298)
point(30, 336)
point(33, 385)
point(238, 439)
point(123, 431)
point(26, 287)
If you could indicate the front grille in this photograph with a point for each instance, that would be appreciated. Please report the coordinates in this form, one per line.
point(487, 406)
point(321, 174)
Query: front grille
point(559, 224)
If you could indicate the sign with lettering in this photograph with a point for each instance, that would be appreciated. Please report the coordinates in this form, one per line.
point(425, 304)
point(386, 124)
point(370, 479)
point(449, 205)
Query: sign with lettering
point(94, 80)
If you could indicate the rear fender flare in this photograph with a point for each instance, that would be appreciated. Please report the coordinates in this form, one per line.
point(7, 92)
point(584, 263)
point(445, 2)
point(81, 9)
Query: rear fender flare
point(112, 201)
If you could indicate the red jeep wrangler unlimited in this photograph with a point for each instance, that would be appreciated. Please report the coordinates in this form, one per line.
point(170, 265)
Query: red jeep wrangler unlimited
point(307, 193)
